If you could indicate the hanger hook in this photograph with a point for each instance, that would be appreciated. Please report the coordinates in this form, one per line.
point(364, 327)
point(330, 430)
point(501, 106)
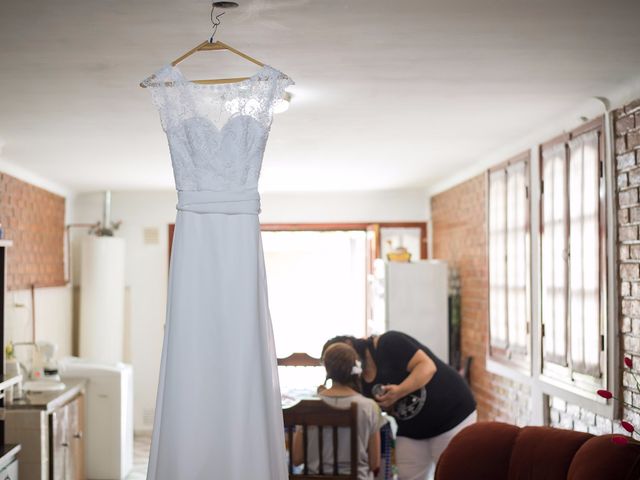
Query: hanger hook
point(215, 21)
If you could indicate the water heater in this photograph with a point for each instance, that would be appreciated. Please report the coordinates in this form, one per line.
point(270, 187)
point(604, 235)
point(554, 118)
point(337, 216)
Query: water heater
point(102, 288)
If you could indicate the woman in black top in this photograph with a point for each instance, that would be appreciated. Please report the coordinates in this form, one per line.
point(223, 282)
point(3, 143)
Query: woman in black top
point(430, 401)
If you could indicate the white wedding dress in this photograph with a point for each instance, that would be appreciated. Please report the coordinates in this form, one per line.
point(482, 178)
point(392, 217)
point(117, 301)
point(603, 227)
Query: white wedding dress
point(218, 411)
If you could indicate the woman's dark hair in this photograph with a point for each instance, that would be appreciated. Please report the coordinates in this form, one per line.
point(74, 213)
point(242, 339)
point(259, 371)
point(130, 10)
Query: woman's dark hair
point(360, 345)
point(339, 359)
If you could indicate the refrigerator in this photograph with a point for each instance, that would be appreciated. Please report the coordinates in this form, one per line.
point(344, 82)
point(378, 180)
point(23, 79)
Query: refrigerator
point(411, 298)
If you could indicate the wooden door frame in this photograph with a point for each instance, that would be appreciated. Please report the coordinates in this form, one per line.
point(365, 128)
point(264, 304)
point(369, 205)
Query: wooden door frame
point(336, 227)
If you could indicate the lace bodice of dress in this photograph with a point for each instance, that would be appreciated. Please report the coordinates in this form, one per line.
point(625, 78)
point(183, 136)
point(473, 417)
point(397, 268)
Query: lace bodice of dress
point(217, 133)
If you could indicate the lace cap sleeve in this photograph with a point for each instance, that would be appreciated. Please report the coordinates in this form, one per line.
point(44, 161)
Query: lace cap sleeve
point(282, 82)
point(167, 87)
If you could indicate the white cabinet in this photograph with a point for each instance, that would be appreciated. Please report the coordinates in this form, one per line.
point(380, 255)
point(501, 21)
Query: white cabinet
point(10, 472)
point(66, 440)
point(50, 428)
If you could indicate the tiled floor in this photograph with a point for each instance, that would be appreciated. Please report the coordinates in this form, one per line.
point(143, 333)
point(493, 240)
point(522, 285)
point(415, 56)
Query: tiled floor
point(141, 445)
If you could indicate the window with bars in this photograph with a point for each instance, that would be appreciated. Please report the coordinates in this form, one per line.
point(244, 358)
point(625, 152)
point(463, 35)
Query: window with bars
point(509, 262)
point(573, 276)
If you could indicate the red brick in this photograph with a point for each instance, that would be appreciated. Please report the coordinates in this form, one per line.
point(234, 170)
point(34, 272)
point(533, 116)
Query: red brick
point(621, 145)
point(629, 272)
point(622, 180)
point(623, 216)
point(623, 252)
point(35, 222)
point(628, 197)
point(632, 107)
point(634, 214)
point(634, 177)
point(626, 160)
point(634, 252)
point(633, 139)
point(623, 124)
point(628, 233)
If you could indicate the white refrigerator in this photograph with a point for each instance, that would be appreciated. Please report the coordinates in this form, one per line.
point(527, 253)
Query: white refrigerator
point(411, 298)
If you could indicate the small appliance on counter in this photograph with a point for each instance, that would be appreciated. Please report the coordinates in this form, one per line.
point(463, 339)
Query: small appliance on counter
point(48, 352)
point(12, 368)
point(39, 373)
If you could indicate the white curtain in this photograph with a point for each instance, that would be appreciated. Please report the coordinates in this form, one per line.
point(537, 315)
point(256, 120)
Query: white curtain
point(554, 254)
point(517, 227)
point(497, 255)
point(508, 231)
point(584, 271)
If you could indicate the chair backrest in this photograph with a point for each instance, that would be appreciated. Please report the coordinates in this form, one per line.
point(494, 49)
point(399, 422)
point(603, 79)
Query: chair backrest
point(316, 413)
point(299, 359)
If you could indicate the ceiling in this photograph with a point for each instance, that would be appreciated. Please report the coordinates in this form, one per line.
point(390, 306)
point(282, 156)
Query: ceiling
point(389, 94)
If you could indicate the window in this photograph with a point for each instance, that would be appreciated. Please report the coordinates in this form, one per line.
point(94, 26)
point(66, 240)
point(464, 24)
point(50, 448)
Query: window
point(572, 257)
point(508, 231)
point(317, 286)
point(555, 248)
point(318, 277)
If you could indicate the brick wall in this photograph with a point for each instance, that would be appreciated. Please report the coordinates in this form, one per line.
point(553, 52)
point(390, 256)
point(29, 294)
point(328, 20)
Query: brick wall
point(627, 164)
point(459, 236)
point(572, 417)
point(34, 219)
point(627, 149)
point(566, 415)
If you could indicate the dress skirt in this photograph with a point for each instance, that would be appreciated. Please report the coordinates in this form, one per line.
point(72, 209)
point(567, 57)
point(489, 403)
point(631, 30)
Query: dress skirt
point(218, 409)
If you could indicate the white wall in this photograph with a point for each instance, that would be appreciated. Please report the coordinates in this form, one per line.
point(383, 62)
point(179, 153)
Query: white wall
point(382, 206)
point(146, 265)
point(563, 122)
point(53, 307)
point(146, 281)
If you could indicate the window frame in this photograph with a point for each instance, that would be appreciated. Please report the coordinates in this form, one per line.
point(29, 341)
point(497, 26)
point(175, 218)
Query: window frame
point(505, 356)
point(373, 247)
point(565, 376)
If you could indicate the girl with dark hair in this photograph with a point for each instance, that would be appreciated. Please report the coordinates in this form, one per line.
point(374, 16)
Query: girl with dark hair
point(344, 370)
point(430, 401)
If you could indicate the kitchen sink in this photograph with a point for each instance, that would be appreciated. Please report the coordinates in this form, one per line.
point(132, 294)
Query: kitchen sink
point(42, 386)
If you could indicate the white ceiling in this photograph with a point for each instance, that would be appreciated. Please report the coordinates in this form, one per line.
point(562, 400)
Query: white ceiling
point(389, 94)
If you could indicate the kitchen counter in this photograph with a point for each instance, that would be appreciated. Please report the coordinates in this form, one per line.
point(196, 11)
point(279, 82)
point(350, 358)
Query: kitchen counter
point(48, 401)
point(7, 381)
point(7, 454)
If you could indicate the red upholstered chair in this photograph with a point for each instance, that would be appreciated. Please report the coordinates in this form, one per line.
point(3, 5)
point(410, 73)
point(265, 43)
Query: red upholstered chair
point(498, 451)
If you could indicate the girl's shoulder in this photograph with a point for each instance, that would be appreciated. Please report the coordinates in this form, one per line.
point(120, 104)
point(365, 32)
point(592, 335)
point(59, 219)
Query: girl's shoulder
point(358, 398)
point(367, 404)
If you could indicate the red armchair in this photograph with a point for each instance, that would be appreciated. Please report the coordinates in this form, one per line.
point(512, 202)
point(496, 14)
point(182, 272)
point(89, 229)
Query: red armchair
point(498, 451)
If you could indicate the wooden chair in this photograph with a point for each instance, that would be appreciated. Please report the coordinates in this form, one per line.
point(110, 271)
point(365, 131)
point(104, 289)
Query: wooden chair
point(317, 413)
point(299, 359)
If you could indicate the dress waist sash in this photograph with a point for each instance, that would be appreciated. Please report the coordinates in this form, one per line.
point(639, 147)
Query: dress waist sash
point(232, 202)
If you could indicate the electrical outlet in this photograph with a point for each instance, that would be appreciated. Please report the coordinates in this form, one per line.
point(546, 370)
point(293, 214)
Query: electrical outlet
point(16, 303)
point(151, 236)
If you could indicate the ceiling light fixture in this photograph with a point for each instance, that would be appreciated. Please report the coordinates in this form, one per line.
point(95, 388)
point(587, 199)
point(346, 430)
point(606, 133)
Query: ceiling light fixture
point(282, 105)
point(225, 4)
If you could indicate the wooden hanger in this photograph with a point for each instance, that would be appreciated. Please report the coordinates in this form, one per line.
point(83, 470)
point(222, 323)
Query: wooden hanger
point(218, 45)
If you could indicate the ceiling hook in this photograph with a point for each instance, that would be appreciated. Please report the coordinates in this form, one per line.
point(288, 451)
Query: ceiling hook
point(215, 21)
